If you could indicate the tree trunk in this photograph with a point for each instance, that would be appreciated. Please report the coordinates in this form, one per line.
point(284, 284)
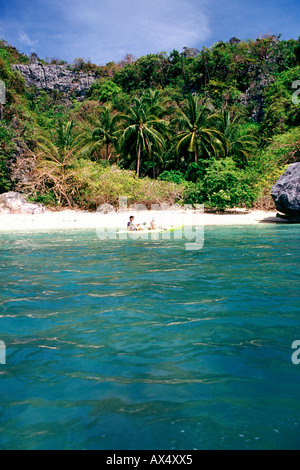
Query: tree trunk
point(153, 157)
point(138, 161)
point(1, 112)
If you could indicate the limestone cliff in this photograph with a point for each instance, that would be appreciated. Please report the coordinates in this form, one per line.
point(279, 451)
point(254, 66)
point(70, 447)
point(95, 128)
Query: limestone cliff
point(55, 77)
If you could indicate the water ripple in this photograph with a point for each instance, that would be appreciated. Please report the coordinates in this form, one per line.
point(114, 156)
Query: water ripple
point(136, 344)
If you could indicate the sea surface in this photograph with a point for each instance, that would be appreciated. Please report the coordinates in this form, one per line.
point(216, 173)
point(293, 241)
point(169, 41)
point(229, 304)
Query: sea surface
point(143, 344)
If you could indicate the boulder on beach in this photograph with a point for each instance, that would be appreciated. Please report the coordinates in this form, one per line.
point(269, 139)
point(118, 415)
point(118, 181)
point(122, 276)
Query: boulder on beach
point(286, 192)
point(15, 203)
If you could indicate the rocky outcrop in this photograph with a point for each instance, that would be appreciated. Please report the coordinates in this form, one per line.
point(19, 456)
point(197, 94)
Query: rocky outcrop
point(254, 96)
point(55, 77)
point(15, 203)
point(286, 192)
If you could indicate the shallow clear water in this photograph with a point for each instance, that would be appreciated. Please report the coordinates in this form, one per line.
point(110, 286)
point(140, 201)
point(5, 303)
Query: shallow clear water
point(143, 345)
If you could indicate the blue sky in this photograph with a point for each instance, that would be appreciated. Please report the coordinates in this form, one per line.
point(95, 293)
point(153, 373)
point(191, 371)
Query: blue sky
point(106, 30)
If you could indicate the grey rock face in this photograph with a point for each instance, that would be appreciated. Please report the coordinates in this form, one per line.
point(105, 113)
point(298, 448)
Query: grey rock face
point(286, 191)
point(55, 77)
point(15, 203)
point(254, 95)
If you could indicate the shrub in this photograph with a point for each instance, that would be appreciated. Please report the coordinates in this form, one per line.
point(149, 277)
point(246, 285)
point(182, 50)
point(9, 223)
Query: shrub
point(48, 199)
point(223, 186)
point(6, 153)
point(103, 90)
point(194, 193)
point(173, 175)
point(197, 171)
point(98, 186)
point(226, 186)
point(269, 164)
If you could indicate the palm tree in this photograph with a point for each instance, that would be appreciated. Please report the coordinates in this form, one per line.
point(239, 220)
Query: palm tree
point(238, 141)
point(64, 135)
point(144, 132)
point(158, 102)
point(104, 133)
point(55, 160)
point(57, 145)
point(195, 129)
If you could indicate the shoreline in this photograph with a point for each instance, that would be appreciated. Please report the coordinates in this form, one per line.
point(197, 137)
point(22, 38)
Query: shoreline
point(76, 219)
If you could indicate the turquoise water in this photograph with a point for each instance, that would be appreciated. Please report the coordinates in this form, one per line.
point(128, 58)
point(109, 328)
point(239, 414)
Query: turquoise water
point(143, 345)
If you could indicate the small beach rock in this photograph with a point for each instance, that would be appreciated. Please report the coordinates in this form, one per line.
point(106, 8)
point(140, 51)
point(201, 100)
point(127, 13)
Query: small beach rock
point(15, 203)
point(286, 192)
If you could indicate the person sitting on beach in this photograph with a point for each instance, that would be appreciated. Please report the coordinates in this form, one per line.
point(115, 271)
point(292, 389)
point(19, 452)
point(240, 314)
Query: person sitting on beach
point(153, 225)
point(132, 227)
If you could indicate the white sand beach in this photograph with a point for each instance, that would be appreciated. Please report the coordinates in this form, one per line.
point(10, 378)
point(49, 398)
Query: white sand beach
point(75, 219)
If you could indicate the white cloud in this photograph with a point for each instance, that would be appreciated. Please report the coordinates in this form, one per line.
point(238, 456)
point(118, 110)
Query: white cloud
point(105, 30)
point(25, 39)
point(111, 28)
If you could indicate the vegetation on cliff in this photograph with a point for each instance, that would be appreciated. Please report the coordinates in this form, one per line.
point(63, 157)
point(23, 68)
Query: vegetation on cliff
point(216, 126)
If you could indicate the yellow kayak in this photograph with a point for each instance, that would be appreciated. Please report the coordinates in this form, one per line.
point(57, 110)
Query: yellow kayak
point(158, 230)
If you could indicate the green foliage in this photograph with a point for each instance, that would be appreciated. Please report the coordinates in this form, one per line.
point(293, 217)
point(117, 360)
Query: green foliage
point(193, 118)
point(13, 81)
point(96, 185)
point(59, 142)
point(103, 90)
point(6, 153)
point(239, 139)
point(102, 134)
point(85, 65)
point(196, 171)
point(11, 54)
point(48, 199)
point(195, 128)
point(194, 193)
point(172, 175)
point(144, 132)
point(47, 107)
point(271, 162)
point(223, 186)
point(284, 148)
point(280, 111)
point(227, 186)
